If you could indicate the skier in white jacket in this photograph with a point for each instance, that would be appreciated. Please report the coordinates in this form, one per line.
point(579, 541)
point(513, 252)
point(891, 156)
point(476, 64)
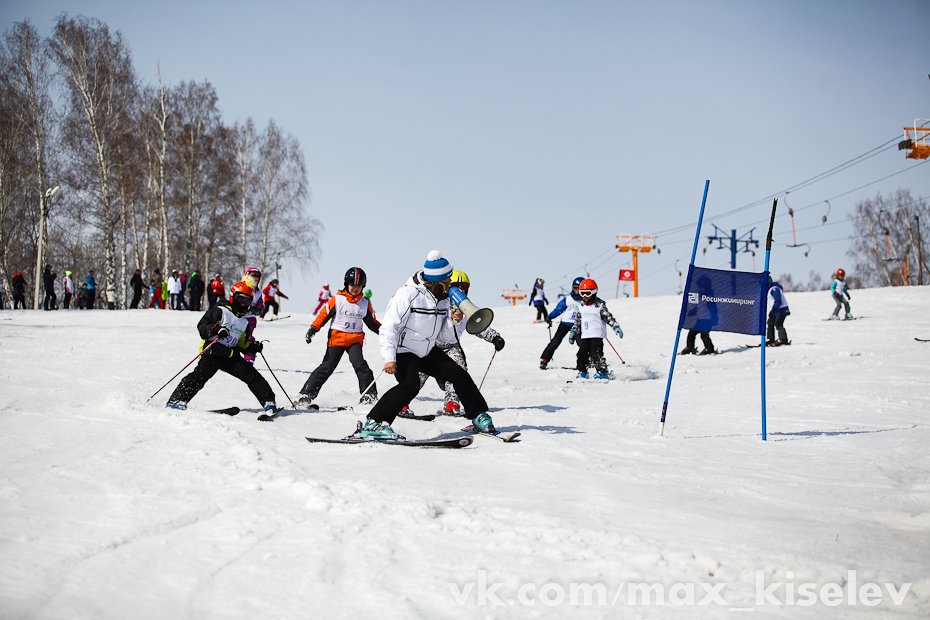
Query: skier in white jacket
point(416, 319)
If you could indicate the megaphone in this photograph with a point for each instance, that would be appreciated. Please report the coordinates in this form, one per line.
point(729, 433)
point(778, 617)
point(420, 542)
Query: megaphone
point(479, 319)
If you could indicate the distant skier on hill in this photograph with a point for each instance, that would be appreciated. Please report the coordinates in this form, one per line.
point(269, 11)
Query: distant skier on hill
point(323, 297)
point(538, 299)
point(777, 316)
point(840, 291)
point(269, 293)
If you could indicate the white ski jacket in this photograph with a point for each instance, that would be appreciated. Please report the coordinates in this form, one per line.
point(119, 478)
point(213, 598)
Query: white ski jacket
point(414, 322)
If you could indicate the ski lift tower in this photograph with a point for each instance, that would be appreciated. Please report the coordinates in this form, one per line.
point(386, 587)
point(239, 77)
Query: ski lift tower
point(635, 244)
point(917, 141)
point(513, 295)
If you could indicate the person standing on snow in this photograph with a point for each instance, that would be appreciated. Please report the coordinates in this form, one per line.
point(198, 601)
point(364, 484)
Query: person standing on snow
point(566, 308)
point(67, 286)
point(137, 284)
point(91, 283)
point(18, 284)
point(253, 277)
point(590, 329)
point(416, 320)
point(777, 316)
point(268, 296)
point(349, 310)
point(840, 291)
point(226, 326)
point(174, 290)
point(48, 281)
point(323, 297)
point(451, 404)
point(538, 299)
point(195, 291)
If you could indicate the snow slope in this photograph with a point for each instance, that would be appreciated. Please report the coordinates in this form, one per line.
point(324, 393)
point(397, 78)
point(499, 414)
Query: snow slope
point(114, 508)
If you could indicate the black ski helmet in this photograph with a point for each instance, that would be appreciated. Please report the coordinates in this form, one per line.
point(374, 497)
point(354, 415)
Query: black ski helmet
point(355, 275)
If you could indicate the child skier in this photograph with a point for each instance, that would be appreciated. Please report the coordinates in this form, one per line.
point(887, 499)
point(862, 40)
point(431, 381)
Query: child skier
point(590, 330)
point(777, 316)
point(348, 310)
point(323, 297)
point(566, 308)
point(226, 326)
point(839, 289)
point(538, 299)
point(253, 277)
point(451, 405)
point(268, 296)
point(416, 320)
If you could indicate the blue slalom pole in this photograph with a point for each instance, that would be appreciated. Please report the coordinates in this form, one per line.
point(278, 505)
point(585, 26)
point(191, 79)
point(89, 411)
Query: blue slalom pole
point(768, 253)
point(684, 301)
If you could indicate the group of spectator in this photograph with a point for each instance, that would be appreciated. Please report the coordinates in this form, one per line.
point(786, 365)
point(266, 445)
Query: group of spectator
point(86, 294)
point(179, 291)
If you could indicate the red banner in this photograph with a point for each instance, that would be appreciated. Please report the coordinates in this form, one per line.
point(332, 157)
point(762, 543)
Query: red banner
point(627, 275)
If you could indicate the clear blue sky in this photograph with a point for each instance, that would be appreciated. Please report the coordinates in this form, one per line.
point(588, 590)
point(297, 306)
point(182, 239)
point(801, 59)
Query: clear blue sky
point(520, 137)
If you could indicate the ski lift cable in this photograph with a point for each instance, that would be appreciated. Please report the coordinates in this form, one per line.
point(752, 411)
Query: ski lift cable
point(809, 181)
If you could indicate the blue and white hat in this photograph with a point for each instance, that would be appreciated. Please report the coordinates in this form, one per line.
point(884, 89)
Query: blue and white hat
point(436, 268)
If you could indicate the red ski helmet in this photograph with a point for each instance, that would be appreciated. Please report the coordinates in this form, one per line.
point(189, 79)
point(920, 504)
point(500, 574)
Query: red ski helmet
point(240, 296)
point(587, 287)
point(840, 273)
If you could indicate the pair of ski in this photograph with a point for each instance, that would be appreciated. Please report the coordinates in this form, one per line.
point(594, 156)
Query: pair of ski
point(435, 442)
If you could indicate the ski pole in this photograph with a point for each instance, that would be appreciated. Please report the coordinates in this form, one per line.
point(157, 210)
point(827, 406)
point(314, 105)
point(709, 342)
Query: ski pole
point(615, 350)
point(207, 348)
point(365, 391)
point(486, 371)
point(293, 404)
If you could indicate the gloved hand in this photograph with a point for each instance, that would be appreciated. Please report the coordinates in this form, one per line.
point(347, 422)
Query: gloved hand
point(618, 331)
point(255, 347)
point(571, 336)
point(498, 343)
point(222, 333)
point(548, 321)
point(310, 333)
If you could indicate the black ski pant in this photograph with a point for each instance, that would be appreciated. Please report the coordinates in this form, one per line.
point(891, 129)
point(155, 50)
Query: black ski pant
point(541, 312)
point(136, 298)
point(330, 360)
point(560, 333)
point(268, 304)
point(66, 302)
point(196, 302)
point(777, 323)
point(435, 364)
point(91, 298)
point(235, 366)
point(705, 338)
point(51, 301)
point(19, 300)
point(591, 353)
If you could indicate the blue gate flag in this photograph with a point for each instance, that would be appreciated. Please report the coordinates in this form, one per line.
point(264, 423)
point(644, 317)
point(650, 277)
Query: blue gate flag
point(720, 300)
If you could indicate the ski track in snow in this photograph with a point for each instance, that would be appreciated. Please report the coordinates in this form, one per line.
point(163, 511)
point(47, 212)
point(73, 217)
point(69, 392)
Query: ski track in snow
point(195, 515)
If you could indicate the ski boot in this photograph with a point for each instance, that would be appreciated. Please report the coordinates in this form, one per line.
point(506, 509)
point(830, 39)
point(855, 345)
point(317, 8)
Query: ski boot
point(688, 351)
point(451, 408)
point(582, 374)
point(601, 374)
point(305, 400)
point(849, 317)
point(543, 362)
point(483, 423)
point(368, 398)
point(176, 404)
point(377, 430)
point(709, 351)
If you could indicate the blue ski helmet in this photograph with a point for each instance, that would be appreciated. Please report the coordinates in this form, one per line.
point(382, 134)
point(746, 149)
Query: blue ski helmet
point(577, 281)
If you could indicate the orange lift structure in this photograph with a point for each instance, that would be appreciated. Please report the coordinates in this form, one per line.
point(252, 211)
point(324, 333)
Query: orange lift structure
point(635, 244)
point(917, 141)
point(513, 295)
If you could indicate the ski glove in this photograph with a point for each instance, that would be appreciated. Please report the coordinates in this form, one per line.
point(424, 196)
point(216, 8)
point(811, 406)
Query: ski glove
point(548, 322)
point(498, 343)
point(310, 333)
point(618, 331)
point(571, 337)
point(254, 347)
point(222, 333)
